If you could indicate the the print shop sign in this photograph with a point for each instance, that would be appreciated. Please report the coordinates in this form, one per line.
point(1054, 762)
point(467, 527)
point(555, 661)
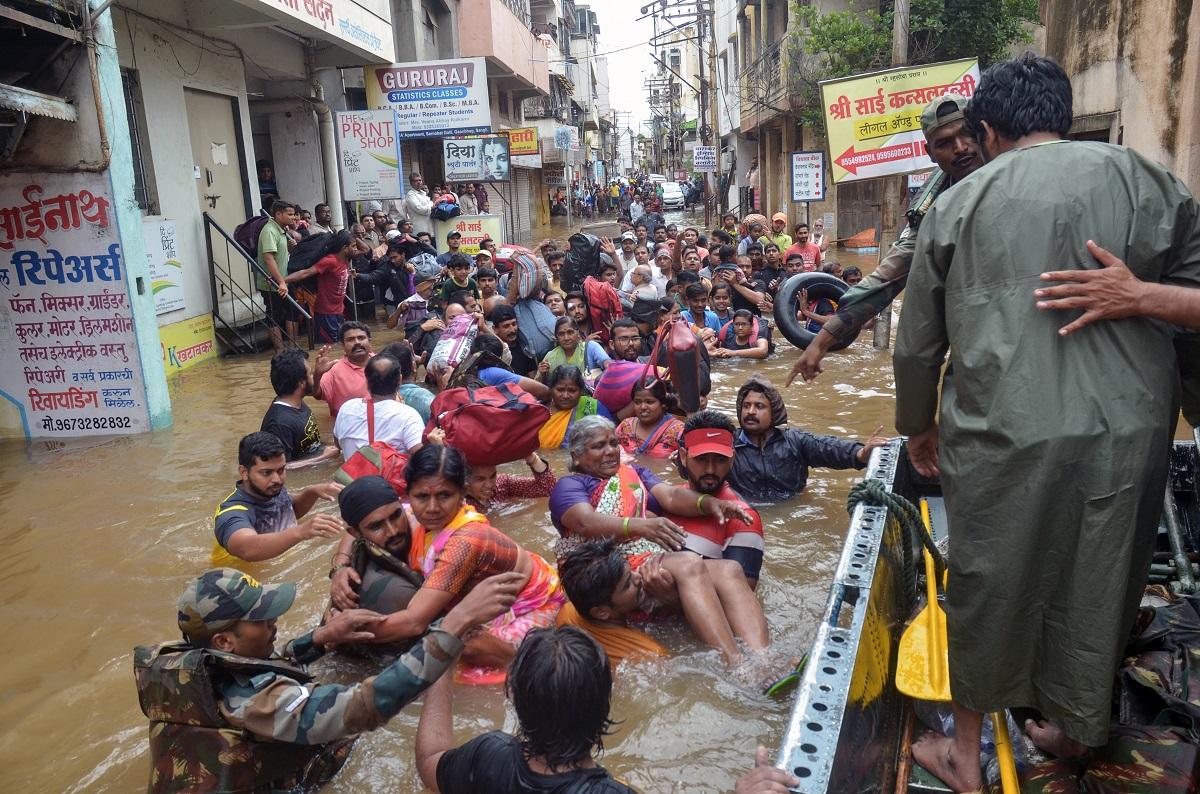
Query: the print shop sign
point(433, 99)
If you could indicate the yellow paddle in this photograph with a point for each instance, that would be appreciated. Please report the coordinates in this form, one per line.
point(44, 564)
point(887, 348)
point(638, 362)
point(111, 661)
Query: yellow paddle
point(923, 667)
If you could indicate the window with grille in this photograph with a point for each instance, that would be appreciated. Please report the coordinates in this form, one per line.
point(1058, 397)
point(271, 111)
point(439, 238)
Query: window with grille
point(143, 172)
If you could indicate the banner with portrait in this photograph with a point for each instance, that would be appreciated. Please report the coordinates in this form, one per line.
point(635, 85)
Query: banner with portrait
point(476, 158)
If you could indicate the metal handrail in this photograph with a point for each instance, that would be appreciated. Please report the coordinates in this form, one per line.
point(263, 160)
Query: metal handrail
point(238, 296)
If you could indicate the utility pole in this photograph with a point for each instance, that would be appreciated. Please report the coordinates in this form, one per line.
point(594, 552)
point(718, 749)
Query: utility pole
point(703, 126)
point(712, 114)
point(893, 187)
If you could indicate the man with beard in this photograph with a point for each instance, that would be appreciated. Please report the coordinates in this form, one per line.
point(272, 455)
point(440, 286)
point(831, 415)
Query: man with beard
point(344, 379)
point(625, 340)
point(289, 418)
point(260, 519)
point(957, 154)
point(1053, 452)
point(705, 458)
point(771, 463)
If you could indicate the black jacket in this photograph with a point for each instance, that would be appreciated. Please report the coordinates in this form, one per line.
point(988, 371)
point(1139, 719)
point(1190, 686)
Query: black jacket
point(779, 470)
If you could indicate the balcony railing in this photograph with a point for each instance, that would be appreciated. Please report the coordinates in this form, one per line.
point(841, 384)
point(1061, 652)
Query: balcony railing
point(763, 86)
point(520, 9)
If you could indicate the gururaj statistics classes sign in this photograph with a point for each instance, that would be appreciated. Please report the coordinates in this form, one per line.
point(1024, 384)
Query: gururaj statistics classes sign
point(432, 99)
point(874, 120)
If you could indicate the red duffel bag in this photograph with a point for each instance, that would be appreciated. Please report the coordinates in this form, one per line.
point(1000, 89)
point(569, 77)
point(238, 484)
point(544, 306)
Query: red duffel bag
point(489, 426)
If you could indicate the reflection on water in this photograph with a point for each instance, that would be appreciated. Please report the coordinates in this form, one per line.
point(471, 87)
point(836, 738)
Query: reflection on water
point(101, 537)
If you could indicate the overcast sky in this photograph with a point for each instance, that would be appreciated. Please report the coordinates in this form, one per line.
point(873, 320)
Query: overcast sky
point(627, 68)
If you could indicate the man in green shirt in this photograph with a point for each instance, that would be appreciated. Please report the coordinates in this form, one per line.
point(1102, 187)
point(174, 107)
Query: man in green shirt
point(1052, 450)
point(273, 258)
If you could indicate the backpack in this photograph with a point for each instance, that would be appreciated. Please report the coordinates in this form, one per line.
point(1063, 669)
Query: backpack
point(445, 210)
point(375, 457)
point(536, 324)
point(604, 306)
point(246, 234)
point(454, 345)
point(305, 255)
point(489, 426)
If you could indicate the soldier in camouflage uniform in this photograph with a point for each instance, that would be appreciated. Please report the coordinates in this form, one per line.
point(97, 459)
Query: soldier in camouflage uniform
point(226, 715)
point(957, 155)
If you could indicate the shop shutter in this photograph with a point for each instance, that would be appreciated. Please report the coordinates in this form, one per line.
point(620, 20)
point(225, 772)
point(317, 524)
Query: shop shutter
point(521, 205)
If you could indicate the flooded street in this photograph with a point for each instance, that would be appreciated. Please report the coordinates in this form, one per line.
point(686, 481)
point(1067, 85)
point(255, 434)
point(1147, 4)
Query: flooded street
point(101, 538)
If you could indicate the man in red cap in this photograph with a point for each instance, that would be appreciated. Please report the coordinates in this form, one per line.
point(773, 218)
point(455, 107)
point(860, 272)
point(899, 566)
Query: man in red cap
point(705, 458)
point(778, 235)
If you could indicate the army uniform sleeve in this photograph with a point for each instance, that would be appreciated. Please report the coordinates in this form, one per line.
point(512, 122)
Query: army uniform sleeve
point(303, 649)
point(276, 707)
point(875, 292)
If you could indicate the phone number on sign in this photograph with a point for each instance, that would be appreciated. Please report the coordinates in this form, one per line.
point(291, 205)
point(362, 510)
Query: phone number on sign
point(50, 423)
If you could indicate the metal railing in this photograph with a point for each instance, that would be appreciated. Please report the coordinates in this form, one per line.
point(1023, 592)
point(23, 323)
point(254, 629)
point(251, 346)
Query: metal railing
point(236, 312)
point(764, 83)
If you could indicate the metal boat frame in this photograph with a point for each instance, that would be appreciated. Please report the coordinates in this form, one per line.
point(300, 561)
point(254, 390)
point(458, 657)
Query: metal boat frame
point(848, 720)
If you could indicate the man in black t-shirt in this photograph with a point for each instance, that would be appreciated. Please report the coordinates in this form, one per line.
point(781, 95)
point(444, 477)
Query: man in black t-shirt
point(288, 417)
point(745, 292)
point(560, 685)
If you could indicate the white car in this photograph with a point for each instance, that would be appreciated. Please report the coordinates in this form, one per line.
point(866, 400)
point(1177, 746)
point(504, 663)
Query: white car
point(672, 197)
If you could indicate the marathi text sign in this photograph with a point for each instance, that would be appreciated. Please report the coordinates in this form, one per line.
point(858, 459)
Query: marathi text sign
point(187, 343)
point(344, 20)
point(473, 228)
point(432, 99)
point(369, 155)
point(808, 176)
point(873, 121)
point(166, 271)
point(476, 158)
point(704, 159)
point(523, 140)
point(68, 356)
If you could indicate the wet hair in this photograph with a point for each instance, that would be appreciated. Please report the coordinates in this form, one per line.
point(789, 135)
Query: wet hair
point(582, 431)
point(742, 314)
point(770, 245)
point(754, 248)
point(575, 295)
point(398, 245)
point(568, 372)
point(564, 321)
point(723, 236)
point(435, 460)
point(774, 399)
point(1019, 97)
point(560, 685)
point(458, 260)
point(623, 322)
point(659, 390)
point(853, 270)
point(554, 256)
point(708, 419)
point(502, 313)
point(486, 272)
point(641, 225)
point(402, 352)
point(799, 226)
point(590, 574)
point(460, 297)
point(322, 204)
point(352, 325)
point(288, 371)
point(383, 376)
point(687, 277)
point(721, 286)
point(696, 290)
point(490, 351)
point(259, 446)
point(726, 253)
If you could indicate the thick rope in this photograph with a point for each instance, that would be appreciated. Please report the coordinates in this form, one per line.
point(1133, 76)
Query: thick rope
point(874, 493)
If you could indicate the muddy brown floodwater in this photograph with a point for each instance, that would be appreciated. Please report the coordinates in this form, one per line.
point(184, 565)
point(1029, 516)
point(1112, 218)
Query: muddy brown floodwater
point(101, 537)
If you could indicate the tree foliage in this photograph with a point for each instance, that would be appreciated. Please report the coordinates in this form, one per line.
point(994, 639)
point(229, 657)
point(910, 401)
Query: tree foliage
point(844, 43)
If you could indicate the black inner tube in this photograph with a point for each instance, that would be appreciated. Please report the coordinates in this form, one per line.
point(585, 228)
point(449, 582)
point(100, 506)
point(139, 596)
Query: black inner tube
point(787, 300)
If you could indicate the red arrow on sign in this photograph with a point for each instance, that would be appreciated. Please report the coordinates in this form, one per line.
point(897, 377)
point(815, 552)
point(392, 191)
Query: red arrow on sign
point(852, 160)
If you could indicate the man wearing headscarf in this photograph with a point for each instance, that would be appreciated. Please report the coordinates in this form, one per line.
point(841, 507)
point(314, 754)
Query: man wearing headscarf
point(770, 462)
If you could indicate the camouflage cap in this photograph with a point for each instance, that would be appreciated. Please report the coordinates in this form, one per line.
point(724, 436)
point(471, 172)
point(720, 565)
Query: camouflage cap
point(931, 119)
point(223, 596)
